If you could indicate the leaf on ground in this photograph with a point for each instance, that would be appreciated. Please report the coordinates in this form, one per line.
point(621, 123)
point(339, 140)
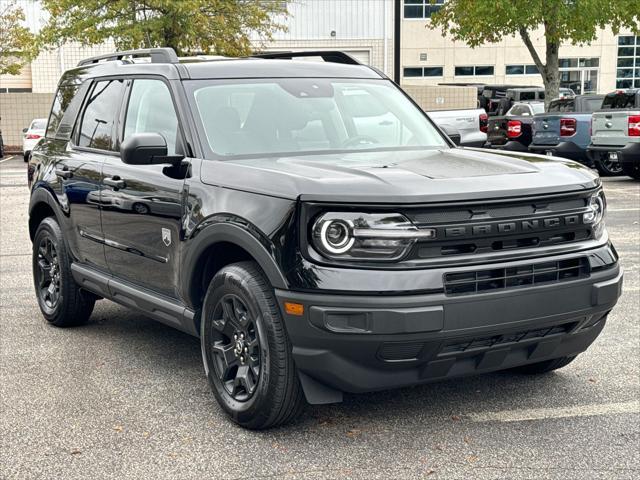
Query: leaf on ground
point(430, 472)
point(354, 433)
point(455, 418)
point(593, 380)
point(467, 439)
point(75, 451)
point(118, 428)
point(472, 459)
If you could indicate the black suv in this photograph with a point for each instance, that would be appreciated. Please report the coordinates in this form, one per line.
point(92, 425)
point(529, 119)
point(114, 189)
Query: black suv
point(312, 226)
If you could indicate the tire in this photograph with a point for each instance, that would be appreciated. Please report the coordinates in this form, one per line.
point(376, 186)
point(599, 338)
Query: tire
point(544, 367)
point(61, 301)
point(140, 209)
point(632, 170)
point(253, 377)
point(607, 169)
point(26, 156)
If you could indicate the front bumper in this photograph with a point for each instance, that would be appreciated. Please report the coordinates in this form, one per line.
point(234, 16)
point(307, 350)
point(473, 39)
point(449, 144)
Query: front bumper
point(629, 153)
point(568, 150)
point(360, 343)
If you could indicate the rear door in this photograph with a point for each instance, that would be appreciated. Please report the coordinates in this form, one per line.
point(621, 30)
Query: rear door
point(79, 167)
point(142, 204)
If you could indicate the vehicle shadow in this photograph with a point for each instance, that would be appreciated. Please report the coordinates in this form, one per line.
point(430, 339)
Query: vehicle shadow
point(174, 357)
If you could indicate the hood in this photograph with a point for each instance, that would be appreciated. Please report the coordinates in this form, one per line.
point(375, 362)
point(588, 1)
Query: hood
point(401, 176)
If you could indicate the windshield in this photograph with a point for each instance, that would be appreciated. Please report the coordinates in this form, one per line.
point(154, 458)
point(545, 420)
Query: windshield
point(38, 124)
point(303, 115)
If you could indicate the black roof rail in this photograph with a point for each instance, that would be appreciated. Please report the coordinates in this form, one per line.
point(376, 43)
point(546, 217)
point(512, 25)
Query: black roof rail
point(332, 56)
point(157, 55)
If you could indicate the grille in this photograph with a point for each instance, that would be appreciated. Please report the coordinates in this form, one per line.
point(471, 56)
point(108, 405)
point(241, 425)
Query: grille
point(481, 343)
point(398, 351)
point(481, 228)
point(479, 281)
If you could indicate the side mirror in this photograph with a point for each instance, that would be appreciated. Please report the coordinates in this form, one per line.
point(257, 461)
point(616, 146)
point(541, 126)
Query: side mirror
point(147, 149)
point(25, 129)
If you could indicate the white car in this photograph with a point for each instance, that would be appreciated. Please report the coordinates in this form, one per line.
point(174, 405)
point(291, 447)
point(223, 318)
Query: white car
point(32, 136)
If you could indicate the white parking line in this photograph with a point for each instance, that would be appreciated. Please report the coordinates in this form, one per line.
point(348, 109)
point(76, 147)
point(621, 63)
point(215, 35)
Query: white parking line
point(7, 159)
point(561, 412)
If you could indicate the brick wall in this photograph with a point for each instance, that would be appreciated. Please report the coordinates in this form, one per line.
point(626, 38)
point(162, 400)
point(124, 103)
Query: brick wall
point(17, 110)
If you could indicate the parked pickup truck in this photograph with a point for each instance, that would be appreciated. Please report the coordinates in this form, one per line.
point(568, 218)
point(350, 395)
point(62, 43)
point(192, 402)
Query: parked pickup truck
point(565, 129)
point(513, 130)
point(470, 125)
point(615, 133)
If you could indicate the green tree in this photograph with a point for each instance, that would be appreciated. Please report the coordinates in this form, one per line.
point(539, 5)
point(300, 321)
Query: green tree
point(576, 21)
point(223, 27)
point(17, 43)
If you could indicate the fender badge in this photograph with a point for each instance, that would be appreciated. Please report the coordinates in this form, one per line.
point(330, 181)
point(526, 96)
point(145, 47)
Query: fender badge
point(166, 236)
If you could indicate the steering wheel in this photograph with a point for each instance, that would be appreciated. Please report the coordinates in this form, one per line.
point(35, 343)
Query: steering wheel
point(359, 140)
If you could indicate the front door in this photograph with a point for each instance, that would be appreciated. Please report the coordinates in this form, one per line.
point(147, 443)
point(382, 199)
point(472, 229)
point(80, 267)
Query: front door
point(142, 205)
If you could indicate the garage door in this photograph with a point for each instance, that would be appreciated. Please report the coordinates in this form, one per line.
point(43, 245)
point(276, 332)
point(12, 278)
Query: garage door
point(363, 56)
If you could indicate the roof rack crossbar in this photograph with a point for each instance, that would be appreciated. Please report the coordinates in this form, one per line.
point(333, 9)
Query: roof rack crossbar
point(157, 55)
point(326, 55)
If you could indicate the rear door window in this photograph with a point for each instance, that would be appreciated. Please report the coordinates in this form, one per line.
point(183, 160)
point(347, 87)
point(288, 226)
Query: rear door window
point(99, 116)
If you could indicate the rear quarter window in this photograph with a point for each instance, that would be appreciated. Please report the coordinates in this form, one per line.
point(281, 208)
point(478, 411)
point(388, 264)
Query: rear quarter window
point(64, 110)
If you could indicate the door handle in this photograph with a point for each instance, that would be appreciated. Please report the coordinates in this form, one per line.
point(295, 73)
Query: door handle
point(64, 172)
point(116, 182)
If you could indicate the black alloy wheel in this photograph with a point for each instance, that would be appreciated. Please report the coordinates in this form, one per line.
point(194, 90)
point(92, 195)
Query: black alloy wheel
point(48, 273)
point(236, 347)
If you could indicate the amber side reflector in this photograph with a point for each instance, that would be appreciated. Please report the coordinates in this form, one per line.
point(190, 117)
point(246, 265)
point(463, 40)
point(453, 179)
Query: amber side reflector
point(294, 308)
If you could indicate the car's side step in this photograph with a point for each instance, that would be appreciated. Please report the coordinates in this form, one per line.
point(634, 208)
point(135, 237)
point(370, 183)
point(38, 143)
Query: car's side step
point(167, 311)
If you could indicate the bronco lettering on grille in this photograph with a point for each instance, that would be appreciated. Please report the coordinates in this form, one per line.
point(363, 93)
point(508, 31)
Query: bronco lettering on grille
point(512, 227)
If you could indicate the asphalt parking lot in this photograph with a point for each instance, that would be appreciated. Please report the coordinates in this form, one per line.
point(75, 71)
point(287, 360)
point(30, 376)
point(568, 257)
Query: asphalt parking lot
point(125, 397)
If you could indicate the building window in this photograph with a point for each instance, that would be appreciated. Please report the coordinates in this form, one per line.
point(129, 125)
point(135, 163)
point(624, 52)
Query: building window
point(580, 74)
point(521, 70)
point(421, 8)
point(478, 70)
point(422, 72)
point(628, 56)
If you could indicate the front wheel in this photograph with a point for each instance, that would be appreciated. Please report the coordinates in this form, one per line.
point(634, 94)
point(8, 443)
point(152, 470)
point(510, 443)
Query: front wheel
point(632, 170)
point(246, 349)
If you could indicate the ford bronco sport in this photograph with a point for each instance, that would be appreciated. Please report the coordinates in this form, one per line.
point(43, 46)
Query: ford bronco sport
point(312, 226)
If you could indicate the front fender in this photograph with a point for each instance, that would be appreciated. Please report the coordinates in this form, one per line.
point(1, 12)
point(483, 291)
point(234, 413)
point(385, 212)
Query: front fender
point(238, 233)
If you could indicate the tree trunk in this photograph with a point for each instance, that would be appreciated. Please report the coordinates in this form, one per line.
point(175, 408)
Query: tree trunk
point(550, 70)
point(551, 74)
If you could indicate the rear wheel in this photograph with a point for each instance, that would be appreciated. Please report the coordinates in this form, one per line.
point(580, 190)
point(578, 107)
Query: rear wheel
point(61, 301)
point(632, 170)
point(246, 350)
point(544, 367)
point(607, 168)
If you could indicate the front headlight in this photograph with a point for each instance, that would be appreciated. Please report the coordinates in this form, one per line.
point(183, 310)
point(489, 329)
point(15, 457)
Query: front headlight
point(597, 206)
point(366, 236)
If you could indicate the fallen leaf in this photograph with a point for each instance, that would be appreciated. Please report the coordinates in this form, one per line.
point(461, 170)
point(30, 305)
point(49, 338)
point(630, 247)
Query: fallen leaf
point(439, 447)
point(472, 459)
point(467, 439)
point(353, 433)
point(118, 428)
point(145, 434)
point(75, 451)
point(455, 418)
point(593, 380)
point(430, 472)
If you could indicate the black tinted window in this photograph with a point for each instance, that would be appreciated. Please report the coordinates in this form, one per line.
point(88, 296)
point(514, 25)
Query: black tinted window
point(61, 103)
point(527, 95)
point(99, 115)
point(619, 100)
